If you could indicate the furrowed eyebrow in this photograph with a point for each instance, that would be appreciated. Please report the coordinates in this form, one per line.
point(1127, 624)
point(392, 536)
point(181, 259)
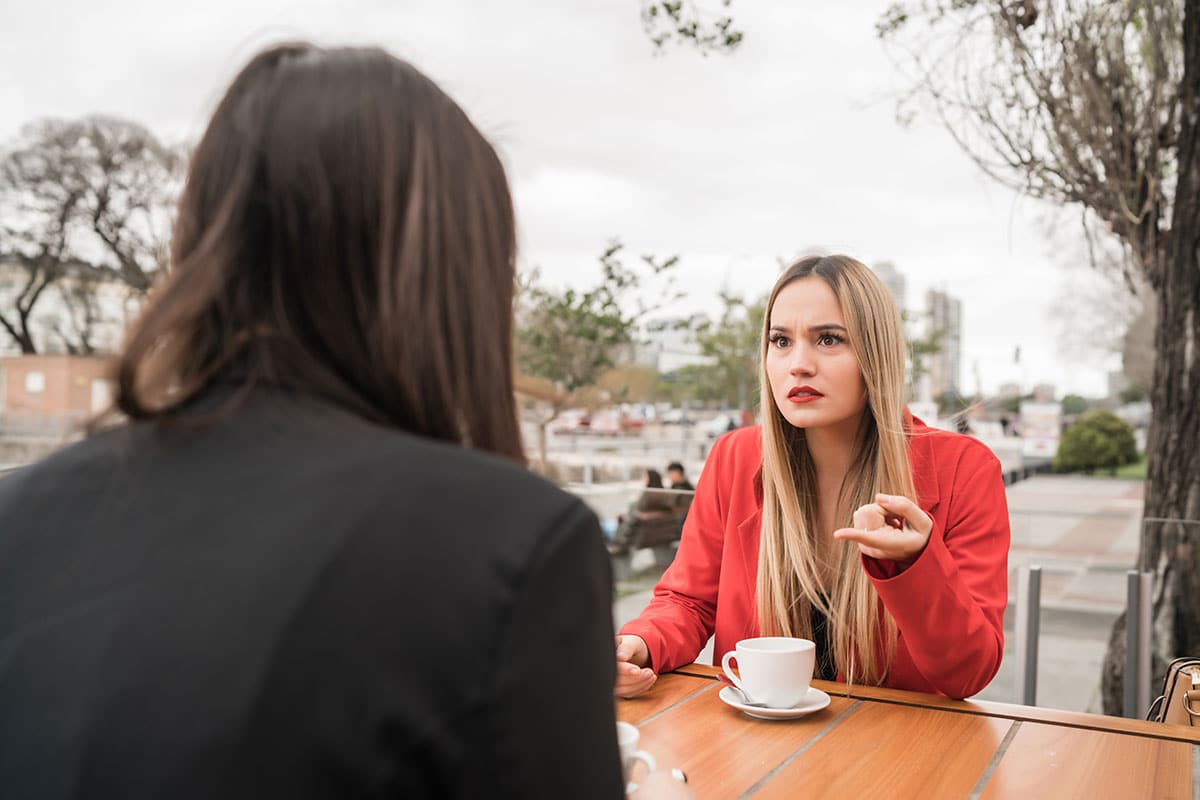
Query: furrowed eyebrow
point(828, 326)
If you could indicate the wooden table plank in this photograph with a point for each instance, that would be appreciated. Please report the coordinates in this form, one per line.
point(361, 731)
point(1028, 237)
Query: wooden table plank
point(1098, 722)
point(668, 690)
point(1057, 761)
point(887, 750)
point(723, 751)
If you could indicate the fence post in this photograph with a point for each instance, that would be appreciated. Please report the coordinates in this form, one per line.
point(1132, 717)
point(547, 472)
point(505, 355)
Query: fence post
point(1137, 643)
point(1029, 607)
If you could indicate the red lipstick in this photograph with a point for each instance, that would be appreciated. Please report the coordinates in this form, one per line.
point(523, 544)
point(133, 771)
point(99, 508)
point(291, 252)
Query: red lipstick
point(803, 394)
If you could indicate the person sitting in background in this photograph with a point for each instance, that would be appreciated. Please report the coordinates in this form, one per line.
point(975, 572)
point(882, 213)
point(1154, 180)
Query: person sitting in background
point(679, 482)
point(647, 505)
point(678, 478)
point(312, 564)
point(652, 503)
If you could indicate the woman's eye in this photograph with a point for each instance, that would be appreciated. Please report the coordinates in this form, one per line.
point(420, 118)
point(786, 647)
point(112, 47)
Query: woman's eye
point(829, 339)
point(780, 341)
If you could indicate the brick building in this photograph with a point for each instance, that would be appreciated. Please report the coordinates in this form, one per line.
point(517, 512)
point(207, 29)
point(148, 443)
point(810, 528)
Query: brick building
point(52, 392)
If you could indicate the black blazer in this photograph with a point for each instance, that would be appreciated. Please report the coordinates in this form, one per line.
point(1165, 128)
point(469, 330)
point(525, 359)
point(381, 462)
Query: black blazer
point(296, 603)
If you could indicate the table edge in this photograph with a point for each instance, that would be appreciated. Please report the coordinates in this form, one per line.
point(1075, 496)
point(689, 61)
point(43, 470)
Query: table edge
point(1052, 716)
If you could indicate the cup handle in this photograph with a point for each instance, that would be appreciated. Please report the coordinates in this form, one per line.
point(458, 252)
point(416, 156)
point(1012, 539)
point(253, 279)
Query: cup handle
point(725, 661)
point(651, 765)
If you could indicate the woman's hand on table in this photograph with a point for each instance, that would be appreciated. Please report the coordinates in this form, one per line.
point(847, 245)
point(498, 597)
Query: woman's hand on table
point(633, 676)
point(893, 528)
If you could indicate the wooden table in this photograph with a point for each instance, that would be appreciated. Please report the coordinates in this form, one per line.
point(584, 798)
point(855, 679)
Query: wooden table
point(893, 744)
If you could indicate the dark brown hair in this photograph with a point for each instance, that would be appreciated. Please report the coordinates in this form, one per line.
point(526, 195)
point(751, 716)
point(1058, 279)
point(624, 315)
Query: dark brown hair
point(345, 231)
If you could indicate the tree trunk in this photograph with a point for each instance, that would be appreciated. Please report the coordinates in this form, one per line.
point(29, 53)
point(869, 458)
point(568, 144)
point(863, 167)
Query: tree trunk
point(25, 342)
point(1170, 540)
point(20, 333)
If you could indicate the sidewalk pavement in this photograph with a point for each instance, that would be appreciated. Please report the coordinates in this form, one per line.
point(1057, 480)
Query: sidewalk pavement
point(1083, 532)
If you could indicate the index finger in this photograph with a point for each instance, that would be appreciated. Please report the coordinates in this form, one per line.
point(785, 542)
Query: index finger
point(874, 538)
point(906, 508)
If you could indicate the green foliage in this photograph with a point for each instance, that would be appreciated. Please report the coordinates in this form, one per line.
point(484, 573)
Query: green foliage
point(950, 402)
point(892, 20)
point(572, 337)
point(1073, 404)
point(898, 15)
point(1132, 394)
point(630, 383)
point(1013, 404)
point(734, 344)
point(682, 22)
point(1135, 471)
point(1099, 440)
point(919, 349)
point(693, 384)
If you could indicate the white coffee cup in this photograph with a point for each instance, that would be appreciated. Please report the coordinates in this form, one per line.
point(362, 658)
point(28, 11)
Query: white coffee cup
point(628, 737)
point(775, 670)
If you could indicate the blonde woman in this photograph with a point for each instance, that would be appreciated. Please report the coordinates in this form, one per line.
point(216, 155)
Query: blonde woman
point(842, 519)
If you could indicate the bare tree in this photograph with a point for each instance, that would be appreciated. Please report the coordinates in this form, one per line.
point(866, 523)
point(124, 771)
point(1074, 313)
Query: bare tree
point(131, 183)
point(1096, 310)
point(1096, 105)
point(85, 324)
point(89, 200)
point(38, 205)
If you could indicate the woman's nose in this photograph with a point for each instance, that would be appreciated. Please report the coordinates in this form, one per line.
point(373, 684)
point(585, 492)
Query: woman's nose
point(802, 362)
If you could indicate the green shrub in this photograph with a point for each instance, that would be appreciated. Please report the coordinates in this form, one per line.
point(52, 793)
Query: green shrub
point(1099, 440)
point(1073, 405)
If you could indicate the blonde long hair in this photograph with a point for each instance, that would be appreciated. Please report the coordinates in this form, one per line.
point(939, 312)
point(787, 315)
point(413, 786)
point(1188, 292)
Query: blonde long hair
point(861, 632)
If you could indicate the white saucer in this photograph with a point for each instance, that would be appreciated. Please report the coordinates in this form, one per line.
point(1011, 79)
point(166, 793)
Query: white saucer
point(815, 700)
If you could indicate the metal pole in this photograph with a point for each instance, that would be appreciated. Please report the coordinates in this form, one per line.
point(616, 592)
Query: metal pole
point(1133, 638)
point(1147, 612)
point(1138, 624)
point(1029, 607)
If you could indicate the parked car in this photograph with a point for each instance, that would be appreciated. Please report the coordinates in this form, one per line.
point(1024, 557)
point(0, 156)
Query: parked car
point(632, 424)
point(722, 423)
point(571, 422)
point(676, 416)
point(605, 425)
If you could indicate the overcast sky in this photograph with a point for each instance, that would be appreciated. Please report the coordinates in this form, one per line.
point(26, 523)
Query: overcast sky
point(733, 162)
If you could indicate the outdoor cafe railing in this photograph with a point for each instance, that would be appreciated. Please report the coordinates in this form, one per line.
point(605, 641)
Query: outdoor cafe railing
point(1139, 609)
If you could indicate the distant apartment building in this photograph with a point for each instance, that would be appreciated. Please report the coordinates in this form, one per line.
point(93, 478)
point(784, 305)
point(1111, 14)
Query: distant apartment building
point(895, 281)
point(1009, 390)
point(944, 315)
point(1044, 393)
point(1118, 382)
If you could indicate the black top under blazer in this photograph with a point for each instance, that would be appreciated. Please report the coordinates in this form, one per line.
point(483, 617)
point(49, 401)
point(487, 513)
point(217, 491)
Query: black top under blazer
point(297, 603)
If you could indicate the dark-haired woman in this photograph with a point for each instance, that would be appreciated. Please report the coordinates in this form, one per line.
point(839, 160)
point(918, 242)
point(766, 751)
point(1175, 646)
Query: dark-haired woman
point(310, 563)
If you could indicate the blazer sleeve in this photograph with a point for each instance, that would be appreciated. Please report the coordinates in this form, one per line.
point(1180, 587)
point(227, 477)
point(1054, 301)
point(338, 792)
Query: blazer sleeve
point(553, 715)
point(949, 603)
point(682, 614)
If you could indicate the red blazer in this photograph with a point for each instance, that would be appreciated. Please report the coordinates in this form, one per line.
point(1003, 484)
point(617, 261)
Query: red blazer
point(948, 604)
